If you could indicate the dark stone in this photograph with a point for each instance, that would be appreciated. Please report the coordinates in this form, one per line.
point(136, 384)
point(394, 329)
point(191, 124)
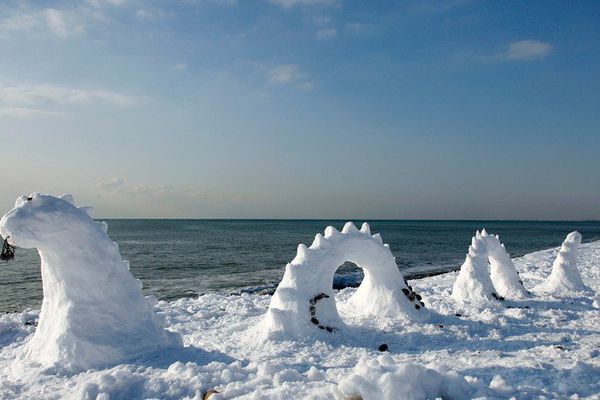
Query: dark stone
point(458, 314)
point(411, 297)
point(321, 327)
point(410, 288)
point(383, 347)
point(209, 394)
point(417, 306)
point(314, 321)
point(418, 296)
point(441, 326)
point(527, 307)
point(329, 329)
point(313, 302)
point(405, 291)
point(312, 309)
point(422, 304)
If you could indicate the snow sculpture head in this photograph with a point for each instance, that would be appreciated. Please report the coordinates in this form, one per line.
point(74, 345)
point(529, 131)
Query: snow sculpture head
point(93, 313)
point(565, 278)
point(304, 303)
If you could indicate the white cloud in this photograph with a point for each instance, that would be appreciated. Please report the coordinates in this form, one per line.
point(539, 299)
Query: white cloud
point(56, 22)
point(326, 33)
point(19, 22)
point(180, 67)
point(49, 94)
point(25, 112)
point(285, 73)
point(292, 3)
point(290, 74)
point(523, 50)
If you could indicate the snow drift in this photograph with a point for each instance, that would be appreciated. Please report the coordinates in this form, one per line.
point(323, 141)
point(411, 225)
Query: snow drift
point(304, 303)
point(565, 277)
point(381, 378)
point(93, 313)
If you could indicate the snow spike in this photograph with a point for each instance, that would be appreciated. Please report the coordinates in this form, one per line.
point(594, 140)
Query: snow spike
point(88, 210)
point(349, 227)
point(484, 233)
point(365, 228)
point(68, 198)
point(103, 226)
point(330, 231)
point(318, 242)
point(302, 250)
point(377, 237)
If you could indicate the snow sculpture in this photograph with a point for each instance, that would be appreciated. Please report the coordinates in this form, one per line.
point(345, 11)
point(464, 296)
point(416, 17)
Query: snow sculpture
point(473, 284)
point(304, 303)
point(93, 313)
point(503, 272)
point(565, 277)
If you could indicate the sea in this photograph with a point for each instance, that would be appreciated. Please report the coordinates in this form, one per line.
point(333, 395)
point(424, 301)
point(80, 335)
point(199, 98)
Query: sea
point(187, 258)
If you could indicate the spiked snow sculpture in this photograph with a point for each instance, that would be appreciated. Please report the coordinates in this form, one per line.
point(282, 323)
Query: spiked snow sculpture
point(473, 284)
point(503, 272)
point(565, 277)
point(304, 303)
point(93, 313)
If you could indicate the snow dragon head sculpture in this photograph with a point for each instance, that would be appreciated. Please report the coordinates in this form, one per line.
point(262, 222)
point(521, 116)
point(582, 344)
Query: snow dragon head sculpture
point(93, 313)
point(304, 303)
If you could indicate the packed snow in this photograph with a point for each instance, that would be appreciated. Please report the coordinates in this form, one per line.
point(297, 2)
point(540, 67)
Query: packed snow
point(536, 347)
point(304, 302)
point(565, 277)
point(93, 313)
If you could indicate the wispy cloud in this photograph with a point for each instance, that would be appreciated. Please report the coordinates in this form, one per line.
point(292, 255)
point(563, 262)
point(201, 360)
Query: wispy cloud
point(26, 95)
point(180, 67)
point(120, 189)
point(292, 3)
point(327, 33)
point(56, 22)
point(19, 22)
point(290, 74)
point(26, 112)
point(522, 50)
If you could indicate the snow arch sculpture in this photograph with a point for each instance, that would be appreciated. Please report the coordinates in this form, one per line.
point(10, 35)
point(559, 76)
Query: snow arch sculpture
point(304, 303)
point(93, 313)
point(565, 276)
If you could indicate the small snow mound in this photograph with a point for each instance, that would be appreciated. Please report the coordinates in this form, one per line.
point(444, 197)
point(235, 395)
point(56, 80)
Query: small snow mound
point(565, 278)
point(93, 313)
point(473, 284)
point(304, 304)
point(382, 379)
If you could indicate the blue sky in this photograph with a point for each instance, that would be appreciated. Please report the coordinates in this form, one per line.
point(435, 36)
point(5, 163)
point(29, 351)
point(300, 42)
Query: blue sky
point(446, 109)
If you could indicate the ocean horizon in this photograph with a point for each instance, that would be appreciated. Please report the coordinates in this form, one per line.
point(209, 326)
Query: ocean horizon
point(177, 258)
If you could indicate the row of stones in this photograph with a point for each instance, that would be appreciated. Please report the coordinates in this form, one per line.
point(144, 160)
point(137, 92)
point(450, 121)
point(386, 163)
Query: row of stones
point(313, 311)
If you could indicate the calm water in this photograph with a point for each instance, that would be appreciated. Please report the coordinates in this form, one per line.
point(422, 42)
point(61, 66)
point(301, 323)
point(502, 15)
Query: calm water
point(181, 258)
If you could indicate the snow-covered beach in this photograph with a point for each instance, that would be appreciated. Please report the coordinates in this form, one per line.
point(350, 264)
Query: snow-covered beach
point(538, 348)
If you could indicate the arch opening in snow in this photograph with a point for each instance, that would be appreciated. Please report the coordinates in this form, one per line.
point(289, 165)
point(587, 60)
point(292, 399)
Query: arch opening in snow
point(304, 300)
